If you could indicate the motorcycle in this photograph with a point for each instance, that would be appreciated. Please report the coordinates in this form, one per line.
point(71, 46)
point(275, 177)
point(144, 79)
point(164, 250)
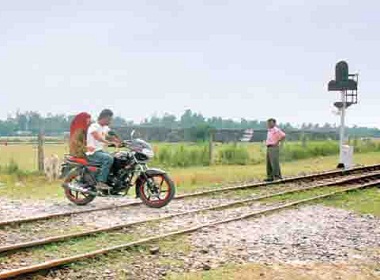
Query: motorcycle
point(153, 186)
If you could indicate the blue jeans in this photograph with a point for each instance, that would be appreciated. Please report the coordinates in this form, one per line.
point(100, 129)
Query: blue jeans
point(106, 161)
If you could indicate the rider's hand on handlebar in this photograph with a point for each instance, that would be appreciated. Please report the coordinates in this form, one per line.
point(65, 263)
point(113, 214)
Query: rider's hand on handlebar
point(116, 144)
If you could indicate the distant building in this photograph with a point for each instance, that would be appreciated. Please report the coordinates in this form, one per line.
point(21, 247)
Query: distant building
point(247, 135)
point(24, 133)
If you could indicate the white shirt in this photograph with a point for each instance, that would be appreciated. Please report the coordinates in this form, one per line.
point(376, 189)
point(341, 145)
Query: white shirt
point(94, 145)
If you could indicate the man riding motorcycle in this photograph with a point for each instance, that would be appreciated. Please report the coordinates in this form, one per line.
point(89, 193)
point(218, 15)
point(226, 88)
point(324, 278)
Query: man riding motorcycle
point(98, 139)
point(90, 171)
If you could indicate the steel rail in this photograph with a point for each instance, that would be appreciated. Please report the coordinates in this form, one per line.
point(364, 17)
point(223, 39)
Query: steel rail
point(63, 261)
point(45, 241)
point(367, 168)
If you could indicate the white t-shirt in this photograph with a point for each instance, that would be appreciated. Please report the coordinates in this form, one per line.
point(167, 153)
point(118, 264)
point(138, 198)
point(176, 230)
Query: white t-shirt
point(94, 145)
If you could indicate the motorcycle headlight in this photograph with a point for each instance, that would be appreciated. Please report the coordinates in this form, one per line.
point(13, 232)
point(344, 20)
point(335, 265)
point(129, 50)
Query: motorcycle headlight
point(149, 153)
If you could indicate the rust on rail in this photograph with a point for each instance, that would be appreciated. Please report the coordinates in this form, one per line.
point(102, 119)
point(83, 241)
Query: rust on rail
point(49, 240)
point(206, 192)
point(63, 261)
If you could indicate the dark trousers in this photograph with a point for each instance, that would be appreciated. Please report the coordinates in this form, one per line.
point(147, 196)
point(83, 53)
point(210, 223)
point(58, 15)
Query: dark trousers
point(106, 160)
point(273, 163)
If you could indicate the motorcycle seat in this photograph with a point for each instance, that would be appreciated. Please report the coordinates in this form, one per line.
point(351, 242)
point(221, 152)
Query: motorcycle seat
point(83, 161)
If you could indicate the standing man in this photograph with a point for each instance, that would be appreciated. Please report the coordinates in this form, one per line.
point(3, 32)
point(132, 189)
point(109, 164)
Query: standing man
point(274, 137)
point(97, 135)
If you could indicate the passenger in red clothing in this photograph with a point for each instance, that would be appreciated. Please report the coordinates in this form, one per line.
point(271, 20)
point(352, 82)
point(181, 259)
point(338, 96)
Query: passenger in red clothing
point(78, 134)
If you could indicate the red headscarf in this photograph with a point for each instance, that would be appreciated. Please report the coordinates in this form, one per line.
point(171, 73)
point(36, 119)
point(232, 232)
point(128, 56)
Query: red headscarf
point(78, 131)
point(79, 122)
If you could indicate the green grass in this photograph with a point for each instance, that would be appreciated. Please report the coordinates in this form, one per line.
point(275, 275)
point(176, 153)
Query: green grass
point(118, 261)
point(71, 247)
point(301, 195)
point(25, 155)
point(190, 179)
point(30, 187)
point(21, 185)
point(316, 271)
point(183, 155)
point(363, 201)
point(366, 201)
point(186, 179)
point(122, 260)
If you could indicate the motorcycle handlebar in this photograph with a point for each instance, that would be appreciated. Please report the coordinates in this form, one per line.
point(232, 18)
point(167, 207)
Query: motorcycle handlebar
point(123, 144)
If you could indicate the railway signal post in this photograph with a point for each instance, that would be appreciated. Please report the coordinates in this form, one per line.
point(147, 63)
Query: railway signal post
point(347, 85)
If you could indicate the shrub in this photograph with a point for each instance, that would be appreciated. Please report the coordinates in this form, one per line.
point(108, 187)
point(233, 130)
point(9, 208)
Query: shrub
point(12, 167)
point(183, 155)
point(233, 154)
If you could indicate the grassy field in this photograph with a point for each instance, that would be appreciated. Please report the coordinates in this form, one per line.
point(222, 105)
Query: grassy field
point(25, 155)
point(186, 179)
point(183, 155)
point(363, 202)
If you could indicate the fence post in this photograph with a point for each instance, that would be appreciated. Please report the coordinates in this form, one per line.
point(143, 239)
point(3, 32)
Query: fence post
point(211, 146)
point(304, 140)
point(40, 152)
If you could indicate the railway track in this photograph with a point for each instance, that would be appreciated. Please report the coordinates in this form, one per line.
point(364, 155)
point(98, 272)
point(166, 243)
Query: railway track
point(297, 179)
point(361, 181)
point(77, 225)
point(24, 245)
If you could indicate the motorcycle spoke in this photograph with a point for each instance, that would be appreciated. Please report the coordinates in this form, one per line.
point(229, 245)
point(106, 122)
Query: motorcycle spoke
point(156, 190)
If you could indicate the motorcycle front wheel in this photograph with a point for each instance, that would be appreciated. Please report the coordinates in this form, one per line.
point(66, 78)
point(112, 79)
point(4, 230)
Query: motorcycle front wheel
point(157, 191)
point(73, 178)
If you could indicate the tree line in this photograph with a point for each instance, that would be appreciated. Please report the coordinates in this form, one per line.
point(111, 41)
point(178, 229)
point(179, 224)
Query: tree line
point(57, 124)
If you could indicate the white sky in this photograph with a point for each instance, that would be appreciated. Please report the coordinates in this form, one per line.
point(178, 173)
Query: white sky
point(235, 59)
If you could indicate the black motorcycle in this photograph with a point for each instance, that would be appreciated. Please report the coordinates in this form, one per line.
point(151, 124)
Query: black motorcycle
point(153, 186)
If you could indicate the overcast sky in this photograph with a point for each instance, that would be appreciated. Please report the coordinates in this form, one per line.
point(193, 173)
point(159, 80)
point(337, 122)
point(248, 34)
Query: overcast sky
point(235, 59)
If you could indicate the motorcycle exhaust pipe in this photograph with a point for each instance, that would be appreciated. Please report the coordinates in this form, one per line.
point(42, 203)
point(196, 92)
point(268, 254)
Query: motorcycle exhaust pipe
point(79, 189)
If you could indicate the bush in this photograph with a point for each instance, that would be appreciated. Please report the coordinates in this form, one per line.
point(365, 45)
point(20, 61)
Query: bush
point(233, 154)
point(197, 154)
point(183, 155)
point(186, 155)
point(294, 151)
point(12, 168)
point(366, 146)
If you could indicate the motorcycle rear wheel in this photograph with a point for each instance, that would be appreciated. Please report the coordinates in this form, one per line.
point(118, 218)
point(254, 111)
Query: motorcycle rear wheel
point(164, 186)
point(78, 198)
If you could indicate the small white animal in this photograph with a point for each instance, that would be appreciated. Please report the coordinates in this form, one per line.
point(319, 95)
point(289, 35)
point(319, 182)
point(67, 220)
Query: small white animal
point(52, 167)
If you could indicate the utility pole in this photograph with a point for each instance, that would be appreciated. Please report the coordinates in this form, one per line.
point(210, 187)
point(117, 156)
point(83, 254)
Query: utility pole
point(342, 124)
point(211, 146)
point(40, 152)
